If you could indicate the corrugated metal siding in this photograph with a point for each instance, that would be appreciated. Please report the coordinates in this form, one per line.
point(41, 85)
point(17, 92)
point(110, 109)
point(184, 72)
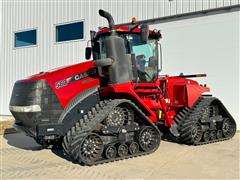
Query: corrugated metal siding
point(44, 15)
point(1, 58)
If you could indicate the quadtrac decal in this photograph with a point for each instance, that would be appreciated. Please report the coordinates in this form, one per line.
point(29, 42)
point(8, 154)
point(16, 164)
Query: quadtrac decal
point(77, 77)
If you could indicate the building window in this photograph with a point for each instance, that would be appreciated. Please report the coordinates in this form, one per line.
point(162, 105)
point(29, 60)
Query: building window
point(69, 32)
point(25, 38)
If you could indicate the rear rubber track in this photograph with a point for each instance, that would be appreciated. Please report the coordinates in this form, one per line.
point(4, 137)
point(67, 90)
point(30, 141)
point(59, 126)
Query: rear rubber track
point(188, 119)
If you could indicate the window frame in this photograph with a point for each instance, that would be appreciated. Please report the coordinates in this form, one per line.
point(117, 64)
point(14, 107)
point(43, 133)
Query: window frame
point(66, 23)
point(25, 30)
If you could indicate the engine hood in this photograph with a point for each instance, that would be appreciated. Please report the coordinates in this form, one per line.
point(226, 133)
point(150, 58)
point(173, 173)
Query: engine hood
point(61, 72)
point(66, 82)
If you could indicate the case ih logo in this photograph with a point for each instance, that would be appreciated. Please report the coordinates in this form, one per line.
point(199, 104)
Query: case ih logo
point(77, 77)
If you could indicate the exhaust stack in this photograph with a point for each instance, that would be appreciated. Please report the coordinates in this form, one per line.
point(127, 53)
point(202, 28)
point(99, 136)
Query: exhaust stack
point(109, 18)
point(117, 61)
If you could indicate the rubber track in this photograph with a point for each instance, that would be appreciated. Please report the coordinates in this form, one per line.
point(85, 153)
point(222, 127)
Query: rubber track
point(87, 124)
point(192, 116)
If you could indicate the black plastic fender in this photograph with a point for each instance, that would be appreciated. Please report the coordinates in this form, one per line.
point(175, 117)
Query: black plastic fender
point(78, 107)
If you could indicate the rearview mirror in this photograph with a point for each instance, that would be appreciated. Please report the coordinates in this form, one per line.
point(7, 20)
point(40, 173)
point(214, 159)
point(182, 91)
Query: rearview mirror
point(92, 35)
point(144, 33)
point(88, 53)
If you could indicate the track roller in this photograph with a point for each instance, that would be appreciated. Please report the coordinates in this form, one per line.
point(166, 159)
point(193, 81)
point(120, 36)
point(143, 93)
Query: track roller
point(122, 150)
point(213, 135)
point(133, 148)
point(110, 152)
point(206, 136)
point(219, 134)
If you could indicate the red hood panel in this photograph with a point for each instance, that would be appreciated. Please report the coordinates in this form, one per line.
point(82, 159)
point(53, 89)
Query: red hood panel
point(61, 72)
point(67, 82)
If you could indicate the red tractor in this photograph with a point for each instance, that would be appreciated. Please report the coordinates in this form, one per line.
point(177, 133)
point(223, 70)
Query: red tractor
point(114, 107)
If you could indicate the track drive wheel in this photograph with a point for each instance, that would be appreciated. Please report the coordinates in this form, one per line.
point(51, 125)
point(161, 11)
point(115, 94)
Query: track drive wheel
point(119, 116)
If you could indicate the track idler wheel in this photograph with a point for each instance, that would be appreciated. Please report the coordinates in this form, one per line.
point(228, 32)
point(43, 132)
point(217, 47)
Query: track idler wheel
point(111, 152)
point(91, 148)
point(148, 138)
point(228, 127)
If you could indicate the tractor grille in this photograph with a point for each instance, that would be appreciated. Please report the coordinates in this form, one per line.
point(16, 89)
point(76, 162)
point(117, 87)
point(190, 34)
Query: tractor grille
point(35, 93)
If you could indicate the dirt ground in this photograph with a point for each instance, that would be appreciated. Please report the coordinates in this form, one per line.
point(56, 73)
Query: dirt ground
point(22, 158)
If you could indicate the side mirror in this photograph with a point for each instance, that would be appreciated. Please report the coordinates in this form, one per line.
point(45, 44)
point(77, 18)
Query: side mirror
point(144, 33)
point(88, 53)
point(96, 47)
point(92, 35)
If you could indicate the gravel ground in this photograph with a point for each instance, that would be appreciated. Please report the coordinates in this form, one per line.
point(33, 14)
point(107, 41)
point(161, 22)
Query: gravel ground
point(22, 158)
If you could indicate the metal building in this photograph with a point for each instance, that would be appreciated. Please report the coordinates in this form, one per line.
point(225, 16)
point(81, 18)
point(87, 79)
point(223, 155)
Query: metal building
point(183, 47)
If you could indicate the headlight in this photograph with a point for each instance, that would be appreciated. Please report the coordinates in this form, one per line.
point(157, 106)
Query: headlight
point(32, 108)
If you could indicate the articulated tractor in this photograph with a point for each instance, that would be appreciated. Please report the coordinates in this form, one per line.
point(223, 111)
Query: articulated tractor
point(118, 106)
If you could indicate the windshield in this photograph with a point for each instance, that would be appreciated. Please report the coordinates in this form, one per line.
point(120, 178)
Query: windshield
point(146, 55)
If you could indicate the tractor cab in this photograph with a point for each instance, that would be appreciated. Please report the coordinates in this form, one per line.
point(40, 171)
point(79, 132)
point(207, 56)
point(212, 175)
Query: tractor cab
point(145, 53)
point(140, 44)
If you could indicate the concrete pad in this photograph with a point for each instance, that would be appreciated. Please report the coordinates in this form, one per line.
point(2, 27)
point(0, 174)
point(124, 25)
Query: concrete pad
point(22, 158)
point(6, 123)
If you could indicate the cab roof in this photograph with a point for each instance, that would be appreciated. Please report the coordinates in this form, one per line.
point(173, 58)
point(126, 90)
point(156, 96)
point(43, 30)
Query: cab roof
point(127, 29)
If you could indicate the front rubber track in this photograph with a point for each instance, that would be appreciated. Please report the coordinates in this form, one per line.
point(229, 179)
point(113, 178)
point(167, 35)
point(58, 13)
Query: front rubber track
point(89, 123)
